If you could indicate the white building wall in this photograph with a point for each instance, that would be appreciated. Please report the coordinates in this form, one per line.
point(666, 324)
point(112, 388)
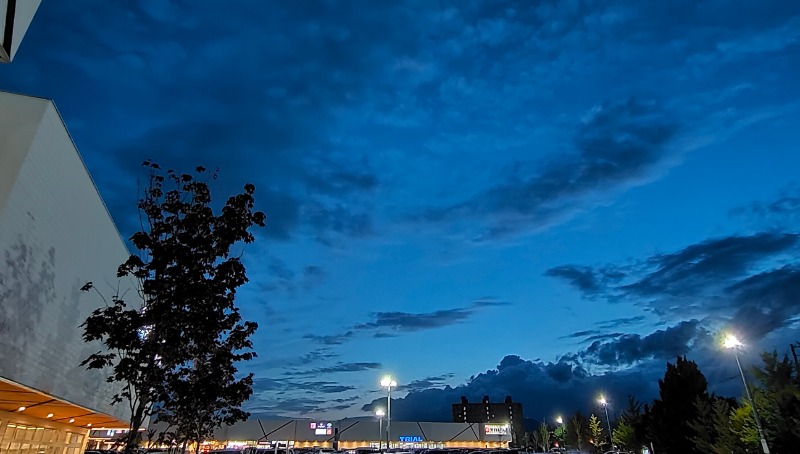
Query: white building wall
point(24, 10)
point(55, 235)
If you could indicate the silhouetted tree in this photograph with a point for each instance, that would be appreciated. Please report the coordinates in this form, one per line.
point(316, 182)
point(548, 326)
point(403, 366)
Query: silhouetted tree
point(577, 430)
point(161, 347)
point(668, 420)
point(713, 429)
point(633, 435)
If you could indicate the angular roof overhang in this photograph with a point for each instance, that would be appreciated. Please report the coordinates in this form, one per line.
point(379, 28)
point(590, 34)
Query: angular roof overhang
point(38, 404)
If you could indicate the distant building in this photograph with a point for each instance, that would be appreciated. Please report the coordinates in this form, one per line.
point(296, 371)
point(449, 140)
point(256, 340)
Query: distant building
point(499, 417)
point(15, 17)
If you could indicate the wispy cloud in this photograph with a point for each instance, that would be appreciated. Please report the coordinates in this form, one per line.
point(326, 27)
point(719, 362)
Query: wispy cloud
point(337, 368)
point(399, 322)
point(392, 324)
point(618, 145)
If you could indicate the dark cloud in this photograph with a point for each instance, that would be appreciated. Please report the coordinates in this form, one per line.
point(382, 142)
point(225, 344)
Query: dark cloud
point(336, 218)
point(410, 322)
point(780, 214)
point(425, 383)
point(766, 301)
point(283, 406)
point(579, 334)
point(280, 277)
point(621, 322)
point(588, 280)
point(742, 281)
point(715, 260)
point(404, 321)
point(620, 144)
point(313, 271)
point(581, 277)
point(542, 388)
point(782, 206)
point(629, 349)
point(333, 339)
point(320, 354)
point(339, 367)
point(392, 324)
point(283, 384)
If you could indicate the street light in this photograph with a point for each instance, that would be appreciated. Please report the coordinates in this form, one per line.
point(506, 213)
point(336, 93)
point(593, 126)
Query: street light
point(731, 342)
point(604, 403)
point(563, 431)
point(380, 413)
point(388, 383)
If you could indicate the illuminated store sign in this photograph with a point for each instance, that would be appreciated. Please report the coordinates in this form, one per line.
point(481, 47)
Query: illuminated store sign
point(321, 428)
point(411, 439)
point(496, 429)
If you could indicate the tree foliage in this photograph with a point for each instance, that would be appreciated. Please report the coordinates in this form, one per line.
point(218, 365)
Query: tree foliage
point(577, 428)
point(624, 436)
point(631, 434)
point(174, 349)
point(544, 436)
point(683, 384)
point(778, 401)
point(596, 430)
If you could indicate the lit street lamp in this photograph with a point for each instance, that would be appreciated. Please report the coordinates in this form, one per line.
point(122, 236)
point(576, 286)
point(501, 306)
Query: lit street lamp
point(732, 343)
point(380, 413)
point(604, 403)
point(563, 431)
point(388, 383)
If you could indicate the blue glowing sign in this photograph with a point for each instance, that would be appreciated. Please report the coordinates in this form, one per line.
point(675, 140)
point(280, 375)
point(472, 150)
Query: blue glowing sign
point(411, 439)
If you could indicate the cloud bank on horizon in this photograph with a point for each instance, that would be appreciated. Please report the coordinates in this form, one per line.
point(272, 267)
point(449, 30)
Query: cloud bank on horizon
point(618, 177)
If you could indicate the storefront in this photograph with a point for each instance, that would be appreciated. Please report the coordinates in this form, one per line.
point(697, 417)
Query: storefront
point(359, 433)
point(32, 422)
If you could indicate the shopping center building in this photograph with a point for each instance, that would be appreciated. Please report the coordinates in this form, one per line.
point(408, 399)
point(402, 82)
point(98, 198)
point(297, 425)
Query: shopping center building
point(55, 235)
point(359, 433)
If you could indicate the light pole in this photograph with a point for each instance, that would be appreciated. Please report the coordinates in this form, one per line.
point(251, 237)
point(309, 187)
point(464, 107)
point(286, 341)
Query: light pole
point(732, 343)
point(388, 383)
point(379, 413)
point(563, 432)
point(604, 403)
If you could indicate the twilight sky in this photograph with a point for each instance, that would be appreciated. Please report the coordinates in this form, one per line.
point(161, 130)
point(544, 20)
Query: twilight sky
point(546, 199)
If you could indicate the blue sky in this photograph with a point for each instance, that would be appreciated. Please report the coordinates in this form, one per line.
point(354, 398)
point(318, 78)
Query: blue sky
point(542, 199)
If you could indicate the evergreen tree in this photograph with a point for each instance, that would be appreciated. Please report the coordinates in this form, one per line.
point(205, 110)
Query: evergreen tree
point(778, 401)
point(713, 429)
point(633, 417)
point(668, 423)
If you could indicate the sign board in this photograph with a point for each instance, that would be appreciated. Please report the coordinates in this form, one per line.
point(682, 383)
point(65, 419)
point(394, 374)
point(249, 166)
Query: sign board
point(407, 439)
point(496, 429)
point(321, 428)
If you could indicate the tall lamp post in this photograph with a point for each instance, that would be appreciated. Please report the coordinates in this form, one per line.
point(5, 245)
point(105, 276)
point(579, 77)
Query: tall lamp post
point(563, 432)
point(604, 403)
point(380, 413)
point(388, 383)
point(732, 343)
